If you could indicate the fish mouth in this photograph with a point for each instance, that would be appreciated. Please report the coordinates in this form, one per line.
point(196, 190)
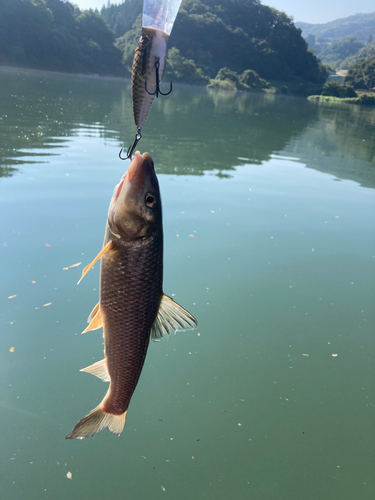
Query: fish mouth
point(138, 164)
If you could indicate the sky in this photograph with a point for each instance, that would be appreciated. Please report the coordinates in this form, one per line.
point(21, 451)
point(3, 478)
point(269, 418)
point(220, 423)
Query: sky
point(308, 11)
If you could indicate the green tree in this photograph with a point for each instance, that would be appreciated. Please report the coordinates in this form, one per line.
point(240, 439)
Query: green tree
point(54, 34)
point(367, 52)
point(334, 89)
point(345, 47)
point(122, 17)
point(362, 74)
point(181, 69)
point(230, 80)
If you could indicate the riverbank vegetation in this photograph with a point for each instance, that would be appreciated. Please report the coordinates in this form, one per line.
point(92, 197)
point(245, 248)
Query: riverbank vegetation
point(347, 48)
point(363, 99)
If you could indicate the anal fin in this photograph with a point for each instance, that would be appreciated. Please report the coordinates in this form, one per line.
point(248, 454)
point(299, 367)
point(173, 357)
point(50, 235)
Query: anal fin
point(171, 318)
point(99, 256)
point(99, 369)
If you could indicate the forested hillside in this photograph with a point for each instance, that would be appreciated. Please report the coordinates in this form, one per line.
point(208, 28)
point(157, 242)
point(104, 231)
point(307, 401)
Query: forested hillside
point(359, 25)
point(241, 41)
point(55, 35)
point(342, 42)
point(236, 34)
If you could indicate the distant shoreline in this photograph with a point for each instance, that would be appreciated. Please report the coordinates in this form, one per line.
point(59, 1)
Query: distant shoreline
point(365, 99)
point(64, 73)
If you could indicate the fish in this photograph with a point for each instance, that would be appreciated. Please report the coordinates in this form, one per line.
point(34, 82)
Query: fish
point(132, 306)
point(151, 50)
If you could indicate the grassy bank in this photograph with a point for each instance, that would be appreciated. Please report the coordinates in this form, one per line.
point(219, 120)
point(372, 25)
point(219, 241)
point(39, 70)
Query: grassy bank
point(363, 99)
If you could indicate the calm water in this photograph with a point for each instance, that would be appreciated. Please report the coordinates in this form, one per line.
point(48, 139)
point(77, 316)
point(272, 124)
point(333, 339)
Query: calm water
point(269, 241)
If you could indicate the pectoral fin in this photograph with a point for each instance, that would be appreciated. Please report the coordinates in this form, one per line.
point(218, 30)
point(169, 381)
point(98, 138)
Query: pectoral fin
point(99, 256)
point(93, 313)
point(99, 369)
point(170, 319)
point(95, 319)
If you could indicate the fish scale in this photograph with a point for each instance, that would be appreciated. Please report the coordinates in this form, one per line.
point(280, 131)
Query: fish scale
point(129, 298)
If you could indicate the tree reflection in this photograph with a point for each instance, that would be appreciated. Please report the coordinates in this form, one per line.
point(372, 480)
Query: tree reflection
point(192, 131)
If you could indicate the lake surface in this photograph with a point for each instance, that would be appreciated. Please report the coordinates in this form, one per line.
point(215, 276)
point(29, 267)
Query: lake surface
point(269, 207)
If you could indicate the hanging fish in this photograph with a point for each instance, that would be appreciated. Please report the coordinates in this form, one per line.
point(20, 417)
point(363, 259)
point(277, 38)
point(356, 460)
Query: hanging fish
point(149, 60)
point(132, 306)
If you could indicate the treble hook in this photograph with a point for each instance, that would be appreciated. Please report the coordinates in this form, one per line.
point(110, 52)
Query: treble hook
point(131, 149)
point(157, 90)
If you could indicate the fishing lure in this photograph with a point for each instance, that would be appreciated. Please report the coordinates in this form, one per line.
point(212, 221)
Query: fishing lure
point(149, 60)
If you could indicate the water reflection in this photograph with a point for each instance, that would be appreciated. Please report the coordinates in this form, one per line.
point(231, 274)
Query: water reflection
point(202, 130)
point(41, 111)
point(339, 143)
point(221, 130)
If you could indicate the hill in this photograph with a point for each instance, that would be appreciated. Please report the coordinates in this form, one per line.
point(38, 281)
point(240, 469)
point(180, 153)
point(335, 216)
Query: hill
point(238, 43)
point(359, 25)
point(56, 35)
point(238, 35)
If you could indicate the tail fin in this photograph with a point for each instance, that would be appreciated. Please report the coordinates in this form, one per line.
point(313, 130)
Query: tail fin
point(96, 421)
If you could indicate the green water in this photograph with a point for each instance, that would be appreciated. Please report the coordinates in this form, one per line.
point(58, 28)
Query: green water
point(279, 196)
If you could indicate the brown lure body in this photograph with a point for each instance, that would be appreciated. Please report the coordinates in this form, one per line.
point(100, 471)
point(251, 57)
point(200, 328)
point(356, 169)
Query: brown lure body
point(151, 48)
point(132, 306)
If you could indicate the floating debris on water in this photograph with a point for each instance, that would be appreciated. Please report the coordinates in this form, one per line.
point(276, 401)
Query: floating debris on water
point(71, 267)
point(334, 355)
point(69, 475)
point(12, 296)
point(47, 245)
point(11, 349)
point(48, 304)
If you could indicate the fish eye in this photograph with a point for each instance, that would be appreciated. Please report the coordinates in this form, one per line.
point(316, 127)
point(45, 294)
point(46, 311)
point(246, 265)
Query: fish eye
point(150, 200)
